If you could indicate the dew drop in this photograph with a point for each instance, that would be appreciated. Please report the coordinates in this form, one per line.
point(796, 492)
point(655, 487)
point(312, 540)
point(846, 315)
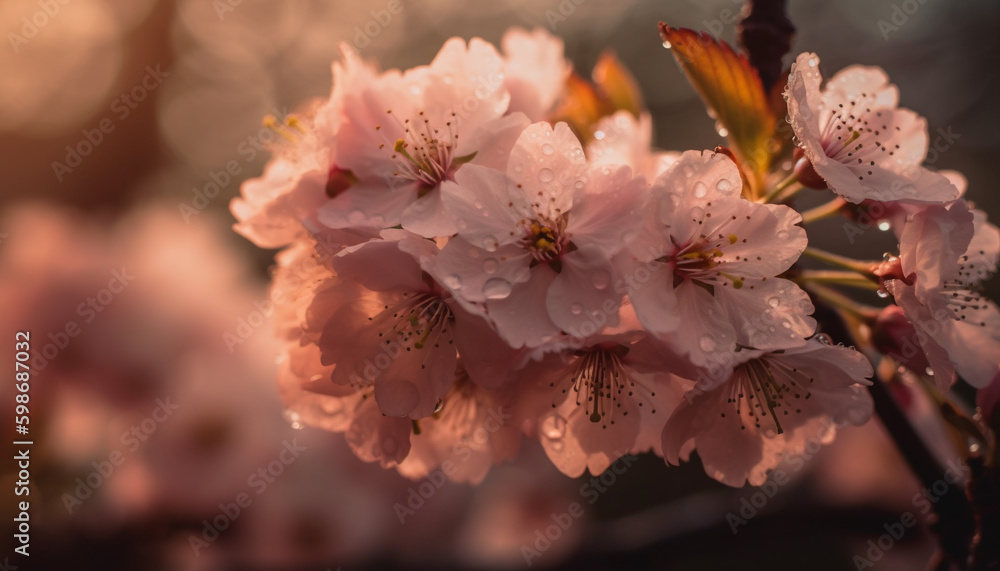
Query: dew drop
point(490, 265)
point(882, 293)
point(707, 343)
point(554, 427)
point(496, 288)
point(548, 149)
point(293, 419)
point(546, 175)
point(824, 339)
point(356, 217)
point(454, 281)
point(774, 302)
point(490, 244)
point(700, 190)
point(667, 44)
point(600, 279)
point(576, 309)
point(697, 212)
point(783, 235)
point(723, 185)
point(599, 135)
point(578, 184)
point(929, 371)
point(884, 225)
point(812, 62)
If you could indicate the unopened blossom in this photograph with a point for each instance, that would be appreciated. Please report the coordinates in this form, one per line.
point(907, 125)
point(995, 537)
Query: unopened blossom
point(403, 134)
point(706, 260)
point(536, 240)
point(624, 139)
point(945, 253)
point(588, 400)
point(857, 139)
point(535, 71)
point(772, 405)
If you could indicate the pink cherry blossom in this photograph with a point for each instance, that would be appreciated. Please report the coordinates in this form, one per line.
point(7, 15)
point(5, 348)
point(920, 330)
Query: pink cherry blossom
point(623, 139)
point(403, 134)
point(590, 399)
point(945, 253)
point(536, 243)
point(535, 71)
point(473, 430)
point(772, 405)
point(705, 260)
point(857, 139)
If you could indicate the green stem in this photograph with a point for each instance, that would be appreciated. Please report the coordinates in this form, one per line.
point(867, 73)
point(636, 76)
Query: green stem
point(860, 266)
point(823, 211)
point(846, 278)
point(839, 301)
point(781, 187)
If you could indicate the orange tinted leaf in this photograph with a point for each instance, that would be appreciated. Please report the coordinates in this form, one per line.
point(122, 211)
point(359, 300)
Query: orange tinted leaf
point(732, 90)
point(617, 84)
point(580, 107)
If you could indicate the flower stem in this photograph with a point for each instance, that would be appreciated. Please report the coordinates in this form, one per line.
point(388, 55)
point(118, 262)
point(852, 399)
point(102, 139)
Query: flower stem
point(846, 278)
point(860, 266)
point(823, 211)
point(781, 187)
point(841, 302)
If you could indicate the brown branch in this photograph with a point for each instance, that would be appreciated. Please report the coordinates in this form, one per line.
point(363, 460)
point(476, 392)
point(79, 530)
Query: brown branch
point(765, 34)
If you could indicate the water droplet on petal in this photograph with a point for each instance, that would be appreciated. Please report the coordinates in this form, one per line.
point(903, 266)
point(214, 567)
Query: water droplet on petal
point(601, 279)
point(824, 339)
point(700, 190)
point(548, 149)
point(439, 405)
point(490, 265)
point(697, 213)
point(454, 281)
point(667, 44)
point(707, 343)
point(293, 419)
point(490, 244)
point(496, 288)
point(884, 225)
point(723, 185)
point(812, 62)
point(554, 427)
point(783, 235)
point(356, 217)
point(578, 184)
point(774, 302)
point(576, 309)
point(929, 371)
point(546, 175)
point(882, 293)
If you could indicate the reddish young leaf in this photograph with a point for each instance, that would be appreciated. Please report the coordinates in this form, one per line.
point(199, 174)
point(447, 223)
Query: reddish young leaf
point(733, 92)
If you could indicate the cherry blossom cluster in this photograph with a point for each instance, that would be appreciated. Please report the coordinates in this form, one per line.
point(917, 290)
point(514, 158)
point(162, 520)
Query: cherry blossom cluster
point(462, 270)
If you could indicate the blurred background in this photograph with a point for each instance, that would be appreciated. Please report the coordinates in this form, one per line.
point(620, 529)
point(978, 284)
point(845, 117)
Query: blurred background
point(116, 114)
